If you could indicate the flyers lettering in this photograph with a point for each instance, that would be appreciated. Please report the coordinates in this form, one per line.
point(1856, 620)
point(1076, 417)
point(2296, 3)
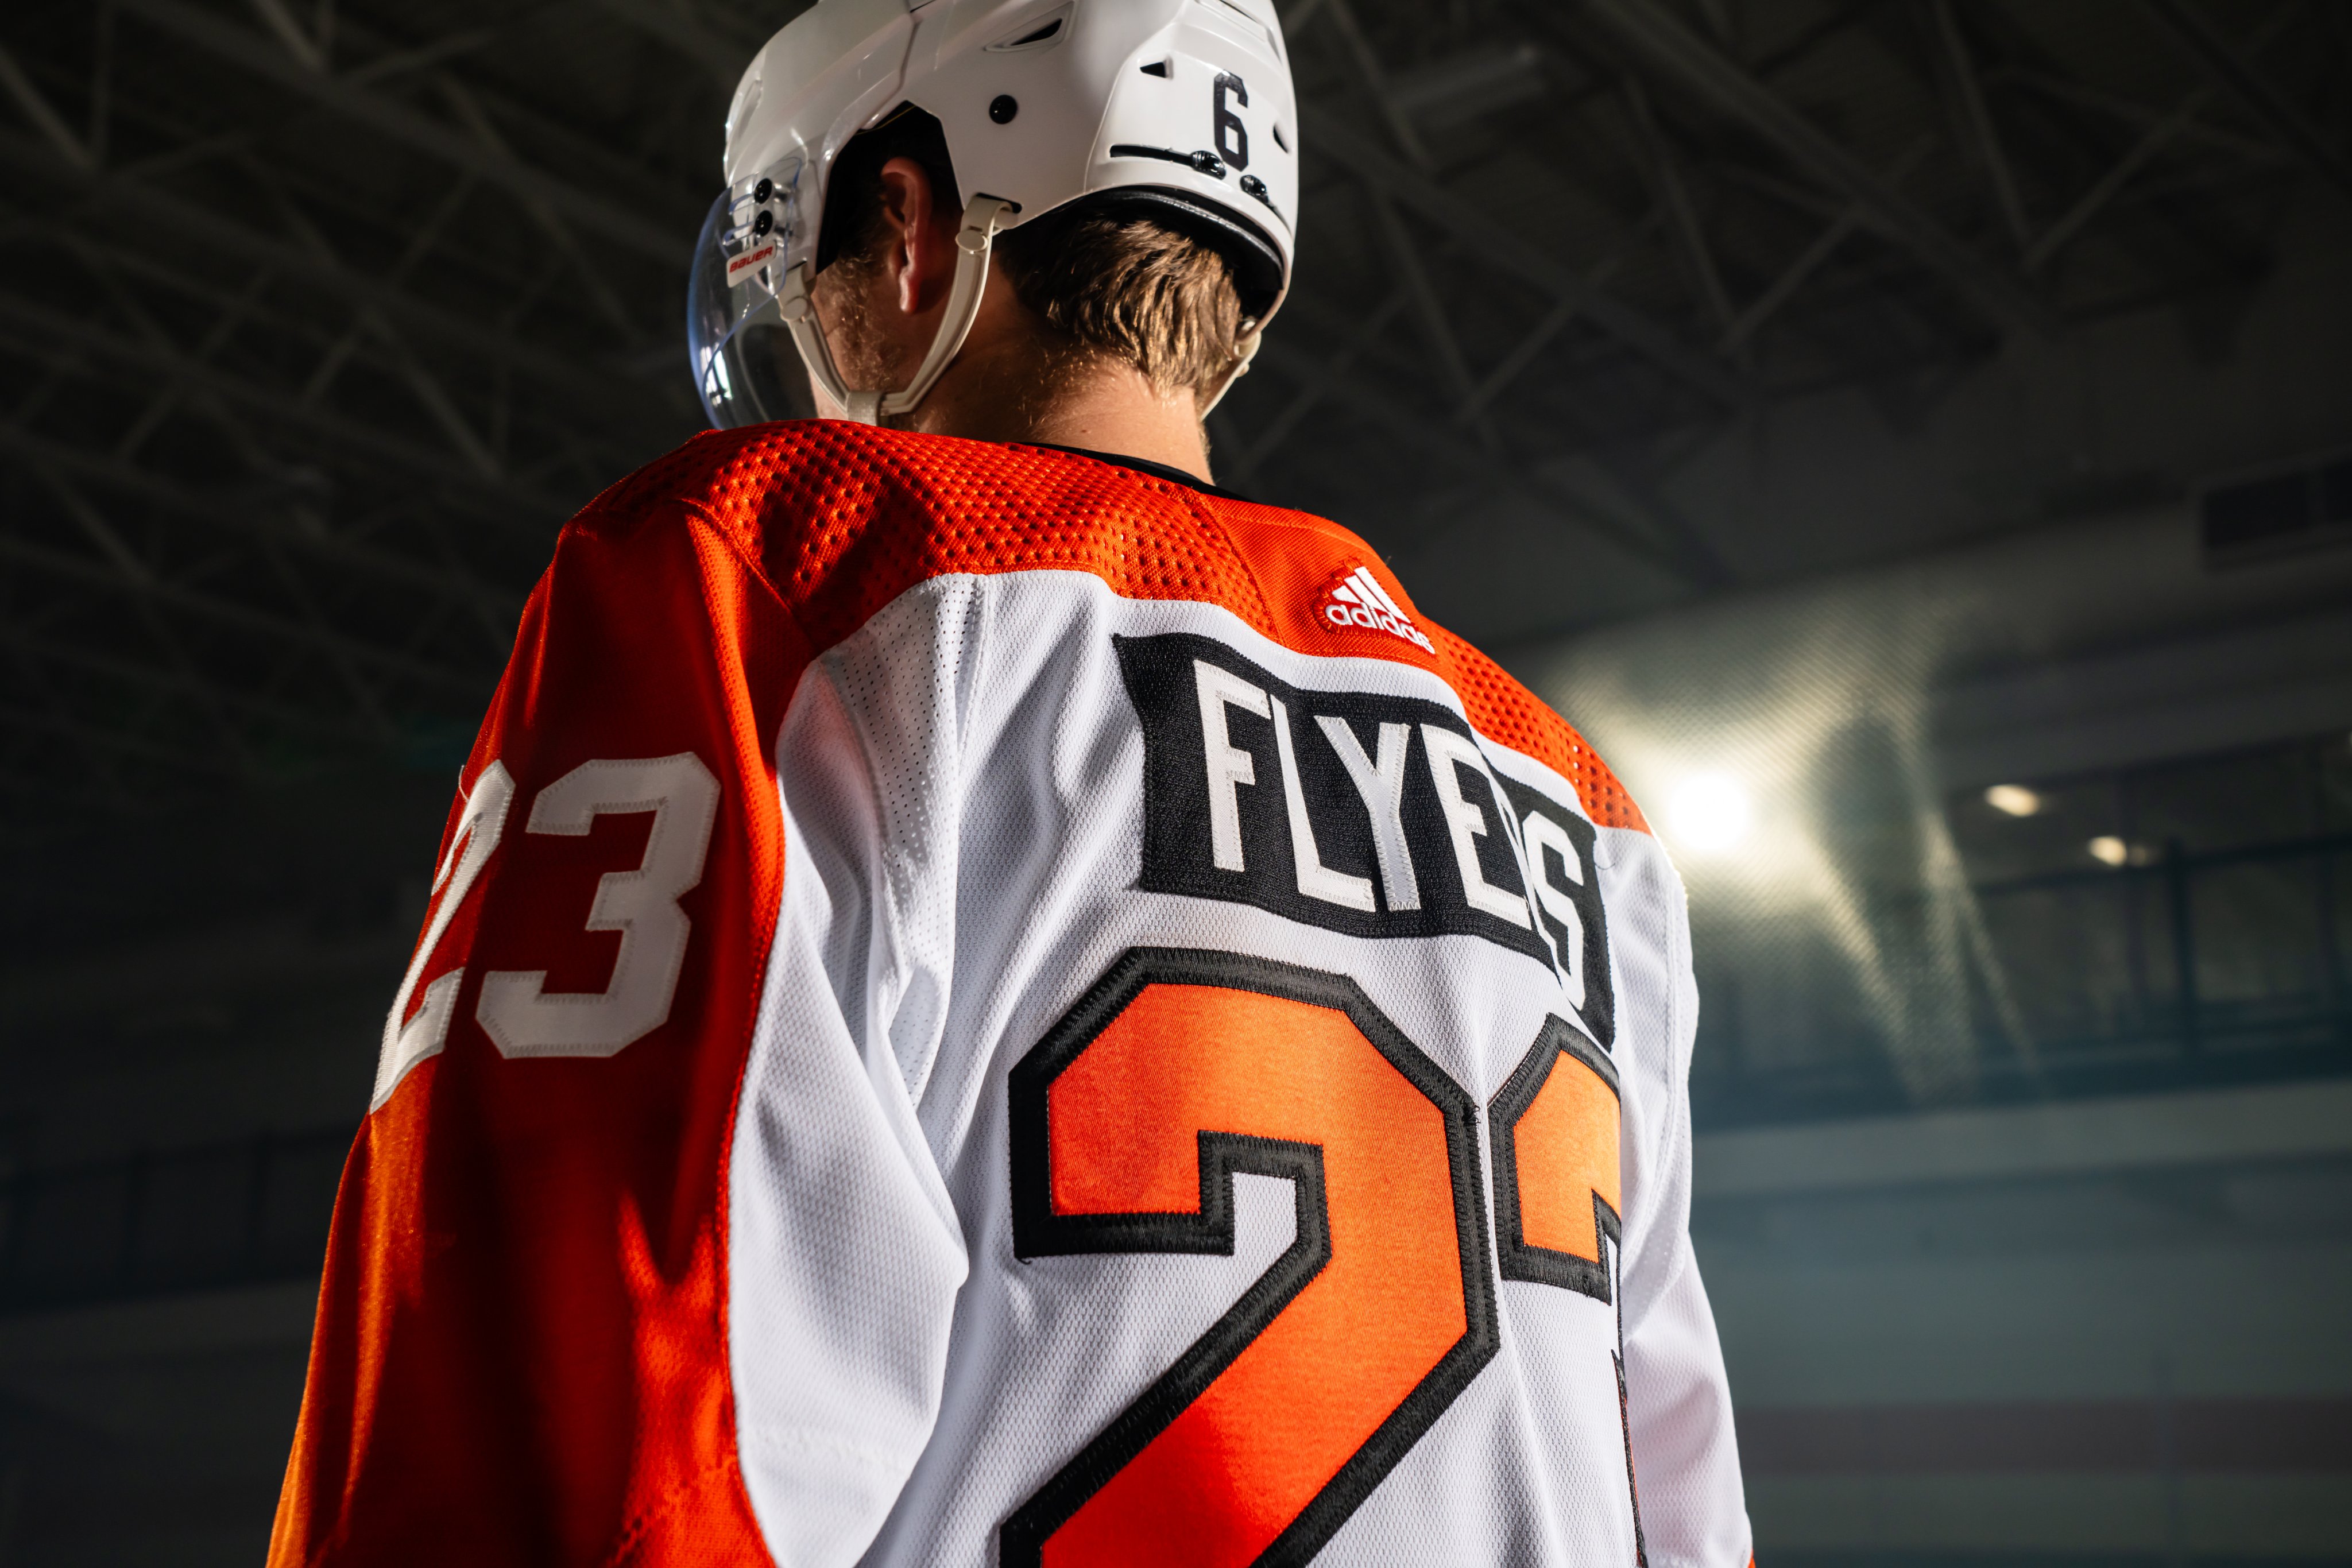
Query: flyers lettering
point(1365, 813)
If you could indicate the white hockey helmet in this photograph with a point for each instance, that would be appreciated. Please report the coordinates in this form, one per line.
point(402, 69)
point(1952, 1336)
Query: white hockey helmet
point(1181, 107)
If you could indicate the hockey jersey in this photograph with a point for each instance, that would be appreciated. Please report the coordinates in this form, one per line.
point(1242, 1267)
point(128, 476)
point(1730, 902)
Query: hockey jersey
point(986, 1005)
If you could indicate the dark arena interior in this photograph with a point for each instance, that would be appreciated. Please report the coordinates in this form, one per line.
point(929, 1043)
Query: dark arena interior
point(1911, 439)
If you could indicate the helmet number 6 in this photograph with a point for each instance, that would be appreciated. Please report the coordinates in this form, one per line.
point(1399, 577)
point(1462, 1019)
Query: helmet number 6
point(1232, 135)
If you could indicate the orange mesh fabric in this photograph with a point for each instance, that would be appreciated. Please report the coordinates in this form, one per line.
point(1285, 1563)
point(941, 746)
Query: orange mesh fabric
point(842, 519)
point(1506, 711)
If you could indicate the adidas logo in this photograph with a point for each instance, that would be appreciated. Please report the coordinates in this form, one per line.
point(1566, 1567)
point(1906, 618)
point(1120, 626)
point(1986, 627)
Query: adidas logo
point(1361, 601)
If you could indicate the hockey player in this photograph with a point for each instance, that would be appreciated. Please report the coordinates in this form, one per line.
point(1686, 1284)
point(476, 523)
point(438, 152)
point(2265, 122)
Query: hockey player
point(988, 1001)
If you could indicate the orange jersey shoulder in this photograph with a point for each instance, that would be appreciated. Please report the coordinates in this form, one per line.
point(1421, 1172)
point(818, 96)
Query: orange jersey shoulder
point(840, 519)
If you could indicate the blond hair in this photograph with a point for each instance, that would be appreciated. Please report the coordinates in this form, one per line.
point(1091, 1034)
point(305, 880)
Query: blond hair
point(1127, 287)
point(1117, 286)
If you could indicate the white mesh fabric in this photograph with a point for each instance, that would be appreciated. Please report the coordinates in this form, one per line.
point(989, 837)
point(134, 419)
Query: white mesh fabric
point(962, 782)
point(844, 1247)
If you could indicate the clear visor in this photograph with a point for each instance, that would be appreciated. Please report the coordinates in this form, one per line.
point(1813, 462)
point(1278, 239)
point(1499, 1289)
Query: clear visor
point(745, 365)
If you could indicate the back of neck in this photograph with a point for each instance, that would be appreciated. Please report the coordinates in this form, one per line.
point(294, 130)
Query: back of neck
point(1015, 388)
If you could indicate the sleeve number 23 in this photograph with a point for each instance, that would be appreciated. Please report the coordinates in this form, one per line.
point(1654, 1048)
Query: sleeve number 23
point(521, 1017)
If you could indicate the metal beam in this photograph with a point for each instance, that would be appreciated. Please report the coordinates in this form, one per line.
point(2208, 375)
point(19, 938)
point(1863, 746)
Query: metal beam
point(542, 212)
point(131, 573)
point(146, 592)
point(68, 716)
point(397, 358)
point(721, 59)
point(1563, 433)
point(1276, 431)
point(32, 324)
point(312, 53)
point(2152, 142)
point(1681, 215)
point(383, 68)
point(1487, 240)
point(235, 312)
point(1438, 439)
point(367, 320)
point(228, 613)
point(34, 106)
point(16, 718)
point(1376, 83)
point(2253, 91)
point(388, 117)
point(369, 701)
point(178, 686)
point(1515, 364)
point(1436, 331)
point(1783, 288)
point(496, 609)
point(1541, 336)
point(191, 221)
point(422, 383)
point(1653, 32)
point(1721, 21)
point(2084, 95)
point(1976, 116)
point(443, 409)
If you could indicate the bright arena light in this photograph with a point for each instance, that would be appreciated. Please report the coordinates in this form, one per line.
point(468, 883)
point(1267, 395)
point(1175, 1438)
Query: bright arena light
point(2108, 850)
point(1708, 812)
point(2013, 799)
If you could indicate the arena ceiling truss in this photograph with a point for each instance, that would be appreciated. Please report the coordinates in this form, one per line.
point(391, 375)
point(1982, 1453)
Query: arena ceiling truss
point(318, 317)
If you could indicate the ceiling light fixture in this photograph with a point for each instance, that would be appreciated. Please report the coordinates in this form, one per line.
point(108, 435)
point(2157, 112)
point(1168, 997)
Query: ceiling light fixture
point(2013, 800)
point(2109, 850)
point(1708, 812)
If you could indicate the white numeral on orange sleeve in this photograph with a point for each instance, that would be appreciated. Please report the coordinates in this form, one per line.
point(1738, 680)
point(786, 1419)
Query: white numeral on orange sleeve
point(406, 1044)
point(523, 1018)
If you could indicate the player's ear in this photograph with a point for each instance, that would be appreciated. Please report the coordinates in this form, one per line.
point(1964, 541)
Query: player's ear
point(920, 253)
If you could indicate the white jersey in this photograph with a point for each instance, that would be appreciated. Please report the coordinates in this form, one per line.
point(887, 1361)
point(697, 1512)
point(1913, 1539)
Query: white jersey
point(1123, 1045)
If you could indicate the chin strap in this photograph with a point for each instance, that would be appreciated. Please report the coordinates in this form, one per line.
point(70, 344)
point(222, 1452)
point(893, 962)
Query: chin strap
point(981, 216)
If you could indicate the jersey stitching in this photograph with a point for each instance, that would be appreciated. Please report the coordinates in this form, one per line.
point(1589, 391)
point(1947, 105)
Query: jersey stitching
point(1673, 942)
point(698, 513)
point(893, 891)
point(634, 1535)
point(1214, 526)
point(634, 1531)
point(1136, 548)
point(819, 1440)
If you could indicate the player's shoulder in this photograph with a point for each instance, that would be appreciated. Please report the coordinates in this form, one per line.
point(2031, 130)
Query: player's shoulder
point(841, 518)
point(1509, 716)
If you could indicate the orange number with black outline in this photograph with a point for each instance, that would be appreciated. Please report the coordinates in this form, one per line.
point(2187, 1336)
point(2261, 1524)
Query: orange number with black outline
point(1130, 1121)
point(1556, 1124)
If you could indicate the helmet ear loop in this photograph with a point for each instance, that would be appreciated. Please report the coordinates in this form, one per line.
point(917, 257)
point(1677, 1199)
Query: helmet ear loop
point(799, 318)
point(981, 216)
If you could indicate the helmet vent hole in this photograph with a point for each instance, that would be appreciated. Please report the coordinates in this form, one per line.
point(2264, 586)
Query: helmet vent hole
point(1280, 138)
point(1157, 68)
point(1037, 35)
